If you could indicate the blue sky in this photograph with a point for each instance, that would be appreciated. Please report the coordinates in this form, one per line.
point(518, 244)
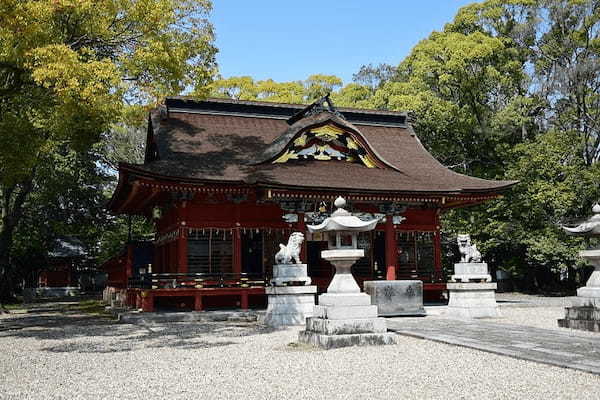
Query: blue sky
point(289, 40)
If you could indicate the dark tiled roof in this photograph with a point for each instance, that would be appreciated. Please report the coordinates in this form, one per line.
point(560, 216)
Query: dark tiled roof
point(196, 145)
point(67, 247)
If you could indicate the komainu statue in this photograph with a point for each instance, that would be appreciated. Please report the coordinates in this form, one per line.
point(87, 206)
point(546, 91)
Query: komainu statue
point(468, 251)
point(291, 251)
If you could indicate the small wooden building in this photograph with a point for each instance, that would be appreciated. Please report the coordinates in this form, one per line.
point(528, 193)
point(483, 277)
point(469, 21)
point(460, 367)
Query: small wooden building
point(66, 258)
point(226, 181)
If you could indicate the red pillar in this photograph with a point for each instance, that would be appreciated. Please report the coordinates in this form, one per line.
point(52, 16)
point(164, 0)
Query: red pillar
point(301, 227)
point(182, 251)
point(147, 301)
point(244, 300)
point(437, 248)
point(237, 251)
point(391, 248)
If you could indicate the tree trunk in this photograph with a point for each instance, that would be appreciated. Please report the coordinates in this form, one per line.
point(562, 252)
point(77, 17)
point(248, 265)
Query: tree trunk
point(12, 199)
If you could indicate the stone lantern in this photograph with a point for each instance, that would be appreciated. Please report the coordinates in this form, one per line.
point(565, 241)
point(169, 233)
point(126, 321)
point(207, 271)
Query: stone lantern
point(344, 316)
point(342, 237)
point(585, 312)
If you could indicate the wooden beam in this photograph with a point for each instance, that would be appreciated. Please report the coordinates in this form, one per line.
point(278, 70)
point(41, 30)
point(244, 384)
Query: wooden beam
point(132, 194)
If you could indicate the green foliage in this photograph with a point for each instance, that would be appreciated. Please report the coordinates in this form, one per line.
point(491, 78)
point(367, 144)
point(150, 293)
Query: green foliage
point(300, 92)
point(510, 90)
point(69, 72)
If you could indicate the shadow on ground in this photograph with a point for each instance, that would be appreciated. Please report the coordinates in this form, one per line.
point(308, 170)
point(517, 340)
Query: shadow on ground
point(64, 331)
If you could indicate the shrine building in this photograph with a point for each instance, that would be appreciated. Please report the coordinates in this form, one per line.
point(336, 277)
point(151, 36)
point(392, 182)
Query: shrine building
point(226, 181)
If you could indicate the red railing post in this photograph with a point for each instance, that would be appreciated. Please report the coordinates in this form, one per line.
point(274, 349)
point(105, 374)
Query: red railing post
point(391, 248)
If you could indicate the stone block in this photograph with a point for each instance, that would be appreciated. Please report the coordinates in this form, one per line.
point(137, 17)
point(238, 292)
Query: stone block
point(586, 302)
point(584, 325)
point(583, 313)
point(289, 305)
point(282, 320)
point(473, 286)
point(470, 272)
point(337, 341)
point(350, 312)
point(284, 274)
point(472, 300)
point(293, 299)
point(345, 326)
point(396, 298)
point(470, 268)
point(344, 299)
point(290, 289)
point(589, 292)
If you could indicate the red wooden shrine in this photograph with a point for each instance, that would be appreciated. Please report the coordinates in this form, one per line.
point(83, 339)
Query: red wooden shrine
point(226, 181)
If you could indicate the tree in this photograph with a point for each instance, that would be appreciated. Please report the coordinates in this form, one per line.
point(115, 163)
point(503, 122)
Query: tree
point(509, 90)
point(374, 77)
point(68, 68)
point(455, 84)
point(300, 92)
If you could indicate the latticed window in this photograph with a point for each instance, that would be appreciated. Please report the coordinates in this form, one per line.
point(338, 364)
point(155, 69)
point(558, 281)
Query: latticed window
point(415, 253)
point(364, 266)
point(210, 251)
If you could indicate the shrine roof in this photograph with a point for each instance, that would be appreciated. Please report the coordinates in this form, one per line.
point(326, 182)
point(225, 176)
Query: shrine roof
point(239, 142)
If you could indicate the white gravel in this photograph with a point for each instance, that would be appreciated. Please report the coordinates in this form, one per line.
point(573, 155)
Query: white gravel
point(97, 360)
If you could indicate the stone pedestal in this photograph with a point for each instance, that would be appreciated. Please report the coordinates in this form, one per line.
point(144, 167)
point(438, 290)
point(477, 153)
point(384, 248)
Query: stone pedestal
point(585, 311)
point(289, 305)
point(290, 274)
point(345, 316)
point(471, 272)
point(396, 298)
point(292, 299)
point(472, 300)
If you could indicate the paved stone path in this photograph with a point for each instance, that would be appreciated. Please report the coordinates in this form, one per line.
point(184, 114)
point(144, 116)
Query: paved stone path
point(546, 346)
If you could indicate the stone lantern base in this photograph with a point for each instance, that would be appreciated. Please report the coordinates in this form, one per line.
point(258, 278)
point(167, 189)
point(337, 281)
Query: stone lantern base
point(584, 314)
point(345, 319)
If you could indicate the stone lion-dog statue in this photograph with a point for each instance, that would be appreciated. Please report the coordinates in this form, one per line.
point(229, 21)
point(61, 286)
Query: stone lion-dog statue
point(291, 251)
point(468, 251)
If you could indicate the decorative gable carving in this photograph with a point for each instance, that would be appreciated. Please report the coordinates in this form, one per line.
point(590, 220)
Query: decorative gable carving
point(328, 142)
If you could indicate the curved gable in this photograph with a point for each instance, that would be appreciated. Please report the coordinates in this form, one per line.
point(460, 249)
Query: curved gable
point(325, 137)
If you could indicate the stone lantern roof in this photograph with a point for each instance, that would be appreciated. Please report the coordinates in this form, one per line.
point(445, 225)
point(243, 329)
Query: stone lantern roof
point(591, 227)
point(343, 220)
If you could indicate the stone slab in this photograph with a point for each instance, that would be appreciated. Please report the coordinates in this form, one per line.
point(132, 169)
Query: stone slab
point(150, 318)
point(586, 302)
point(471, 268)
point(472, 286)
point(350, 312)
point(278, 320)
point(337, 341)
point(585, 313)
point(563, 348)
point(396, 297)
point(580, 324)
point(471, 278)
point(66, 291)
point(472, 300)
point(285, 308)
point(589, 292)
point(284, 274)
point(292, 299)
point(344, 299)
point(345, 326)
point(290, 289)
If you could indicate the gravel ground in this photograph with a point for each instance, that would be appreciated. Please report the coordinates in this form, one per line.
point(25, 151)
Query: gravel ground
point(50, 355)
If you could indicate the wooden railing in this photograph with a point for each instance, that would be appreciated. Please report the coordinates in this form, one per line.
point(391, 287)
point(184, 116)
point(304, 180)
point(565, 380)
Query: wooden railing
point(197, 280)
